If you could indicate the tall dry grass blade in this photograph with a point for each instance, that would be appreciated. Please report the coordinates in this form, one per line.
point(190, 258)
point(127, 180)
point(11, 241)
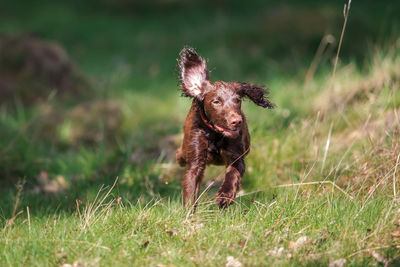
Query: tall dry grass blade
point(94, 210)
point(29, 219)
point(244, 153)
point(10, 222)
point(20, 187)
point(15, 214)
point(346, 12)
point(57, 241)
point(316, 183)
point(336, 169)
point(249, 235)
point(328, 141)
point(304, 178)
point(192, 209)
point(325, 41)
point(334, 185)
point(367, 250)
point(394, 177)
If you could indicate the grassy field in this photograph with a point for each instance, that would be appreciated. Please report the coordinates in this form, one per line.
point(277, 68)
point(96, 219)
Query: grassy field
point(93, 182)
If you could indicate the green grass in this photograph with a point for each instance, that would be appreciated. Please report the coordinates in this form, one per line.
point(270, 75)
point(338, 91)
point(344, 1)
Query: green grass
point(162, 232)
point(132, 124)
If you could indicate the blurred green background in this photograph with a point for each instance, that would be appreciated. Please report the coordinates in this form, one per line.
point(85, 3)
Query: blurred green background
point(119, 112)
point(253, 40)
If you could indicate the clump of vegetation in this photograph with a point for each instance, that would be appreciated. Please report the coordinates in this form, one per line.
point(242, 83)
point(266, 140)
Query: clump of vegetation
point(31, 69)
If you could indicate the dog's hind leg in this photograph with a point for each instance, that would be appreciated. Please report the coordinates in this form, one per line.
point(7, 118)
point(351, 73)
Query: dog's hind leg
point(180, 158)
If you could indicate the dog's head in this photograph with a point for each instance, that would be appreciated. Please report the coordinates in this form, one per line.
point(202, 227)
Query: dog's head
point(221, 100)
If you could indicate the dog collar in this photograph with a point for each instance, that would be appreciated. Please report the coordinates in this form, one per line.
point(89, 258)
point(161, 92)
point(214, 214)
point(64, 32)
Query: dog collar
point(205, 120)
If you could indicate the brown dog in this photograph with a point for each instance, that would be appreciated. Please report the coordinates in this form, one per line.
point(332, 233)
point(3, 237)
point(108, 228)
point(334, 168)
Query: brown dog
point(215, 130)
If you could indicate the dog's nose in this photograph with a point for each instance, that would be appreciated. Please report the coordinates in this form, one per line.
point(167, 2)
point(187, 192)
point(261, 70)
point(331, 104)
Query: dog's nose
point(236, 121)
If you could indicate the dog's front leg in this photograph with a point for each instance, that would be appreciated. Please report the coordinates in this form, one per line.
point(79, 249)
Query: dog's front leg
point(191, 182)
point(196, 163)
point(233, 179)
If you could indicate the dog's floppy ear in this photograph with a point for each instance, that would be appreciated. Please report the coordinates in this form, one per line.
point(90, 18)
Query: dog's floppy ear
point(257, 94)
point(193, 73)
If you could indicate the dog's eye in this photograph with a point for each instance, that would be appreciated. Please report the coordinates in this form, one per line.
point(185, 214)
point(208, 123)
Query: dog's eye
point(236, 100)
point(216, 102)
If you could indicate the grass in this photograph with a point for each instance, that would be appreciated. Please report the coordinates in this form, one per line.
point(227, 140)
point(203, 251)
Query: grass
point(161, 232)
point(322, 177)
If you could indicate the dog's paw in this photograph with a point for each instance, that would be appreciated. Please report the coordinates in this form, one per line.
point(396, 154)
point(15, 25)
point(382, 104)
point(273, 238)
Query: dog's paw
point(224, 199)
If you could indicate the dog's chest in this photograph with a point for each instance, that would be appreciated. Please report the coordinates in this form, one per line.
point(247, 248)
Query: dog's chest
point(215, 144)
